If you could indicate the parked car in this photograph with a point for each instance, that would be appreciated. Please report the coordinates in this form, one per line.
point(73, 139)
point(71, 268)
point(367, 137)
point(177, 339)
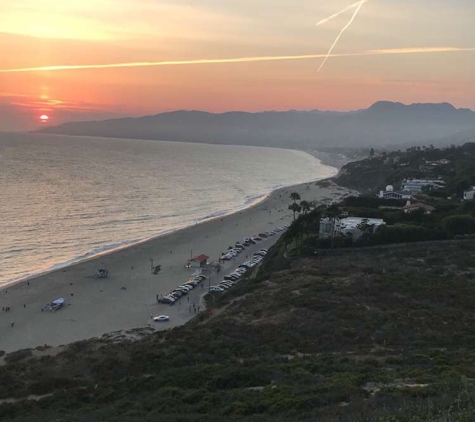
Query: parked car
point(260, 253)
point(263, 235)
point(161, 318)
point(184, 290)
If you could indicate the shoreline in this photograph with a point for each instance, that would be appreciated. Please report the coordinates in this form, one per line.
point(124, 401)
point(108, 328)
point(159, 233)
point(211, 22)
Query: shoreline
point(99, 306)
point(79, 260)
point(120, 246)
point(98, 251)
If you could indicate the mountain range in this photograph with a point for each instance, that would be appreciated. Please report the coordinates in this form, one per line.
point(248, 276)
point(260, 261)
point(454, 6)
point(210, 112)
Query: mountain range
point(383, 124)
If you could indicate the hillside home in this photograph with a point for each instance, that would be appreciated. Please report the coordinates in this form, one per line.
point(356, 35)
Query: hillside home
point(349, 226)
point(408, 208)
point(416, 185)
point(390, 193)
point(469, 195)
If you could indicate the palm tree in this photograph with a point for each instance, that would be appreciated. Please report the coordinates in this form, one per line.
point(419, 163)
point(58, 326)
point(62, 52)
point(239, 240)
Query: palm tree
point(294, 196)
point(295, 208)
point(333, 213)
point(305, 206)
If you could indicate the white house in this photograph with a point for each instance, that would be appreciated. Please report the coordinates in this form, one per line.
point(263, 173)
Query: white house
point(390, 193)
point(347, 226)
point(469, 195)
point(416, 185)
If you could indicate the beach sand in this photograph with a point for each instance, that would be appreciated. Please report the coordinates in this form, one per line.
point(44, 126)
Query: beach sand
point(98, 306)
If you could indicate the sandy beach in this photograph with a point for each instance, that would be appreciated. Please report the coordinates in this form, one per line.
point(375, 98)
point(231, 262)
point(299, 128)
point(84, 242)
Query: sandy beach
point(98, 306)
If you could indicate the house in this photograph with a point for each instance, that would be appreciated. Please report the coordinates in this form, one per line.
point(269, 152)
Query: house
point(350, 226)
point(469, 195)
point(390, 193)
point(199, 261)
point(440, 162)
point(416, 185)
point(408, 208)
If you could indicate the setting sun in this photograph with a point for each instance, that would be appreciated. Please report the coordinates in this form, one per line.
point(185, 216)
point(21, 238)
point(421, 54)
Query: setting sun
point(44, 118)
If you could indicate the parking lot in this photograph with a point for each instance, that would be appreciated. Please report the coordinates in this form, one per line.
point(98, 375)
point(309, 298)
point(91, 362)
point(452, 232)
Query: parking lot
point(185, 301)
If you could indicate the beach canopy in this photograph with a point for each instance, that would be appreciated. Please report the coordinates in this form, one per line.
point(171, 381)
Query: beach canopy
point(59, 301)
point(199, 258)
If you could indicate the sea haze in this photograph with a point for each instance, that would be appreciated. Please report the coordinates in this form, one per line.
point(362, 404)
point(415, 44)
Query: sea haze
point(63, 199)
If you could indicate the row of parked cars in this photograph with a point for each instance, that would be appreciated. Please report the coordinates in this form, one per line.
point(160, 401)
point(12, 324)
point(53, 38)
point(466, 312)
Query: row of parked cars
point(236, 276)
point(182, 290)
point(232, 252)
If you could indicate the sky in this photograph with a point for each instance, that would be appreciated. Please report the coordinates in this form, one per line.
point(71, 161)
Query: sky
point(255, 55)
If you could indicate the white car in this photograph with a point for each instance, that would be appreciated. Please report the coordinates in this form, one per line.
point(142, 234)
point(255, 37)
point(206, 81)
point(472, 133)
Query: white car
point(161, 318)
point(216, 289)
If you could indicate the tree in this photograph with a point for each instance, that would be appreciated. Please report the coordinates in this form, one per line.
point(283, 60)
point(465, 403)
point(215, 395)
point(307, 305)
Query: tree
point(305, 206)
point(294, 196)
point(459, 224)
point(295, 208)
point(333, 213)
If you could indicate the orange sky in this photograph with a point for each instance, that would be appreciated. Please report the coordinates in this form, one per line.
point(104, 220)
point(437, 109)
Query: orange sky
point(35, 33)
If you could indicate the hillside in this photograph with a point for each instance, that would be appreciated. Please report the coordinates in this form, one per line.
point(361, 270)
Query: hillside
point(368, 335)
point(375, 173)
point(384, 123)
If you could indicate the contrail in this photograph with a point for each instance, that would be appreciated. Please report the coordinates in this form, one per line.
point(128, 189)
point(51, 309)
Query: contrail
point(164, 63)
point(352, 6)
point(358, 8)
point(394, 51)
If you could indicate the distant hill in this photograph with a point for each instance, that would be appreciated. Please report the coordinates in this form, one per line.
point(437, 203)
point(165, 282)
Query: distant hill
point(383, 124)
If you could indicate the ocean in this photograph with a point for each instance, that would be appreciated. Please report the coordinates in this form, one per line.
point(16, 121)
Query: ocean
point(64, 199)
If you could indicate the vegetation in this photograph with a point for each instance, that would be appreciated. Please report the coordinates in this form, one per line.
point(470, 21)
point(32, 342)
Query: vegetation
point(380, 170)
point(369, 333)
point(380, 335)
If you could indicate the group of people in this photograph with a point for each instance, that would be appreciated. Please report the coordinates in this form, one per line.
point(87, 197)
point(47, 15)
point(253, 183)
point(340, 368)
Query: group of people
point(196, 309)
